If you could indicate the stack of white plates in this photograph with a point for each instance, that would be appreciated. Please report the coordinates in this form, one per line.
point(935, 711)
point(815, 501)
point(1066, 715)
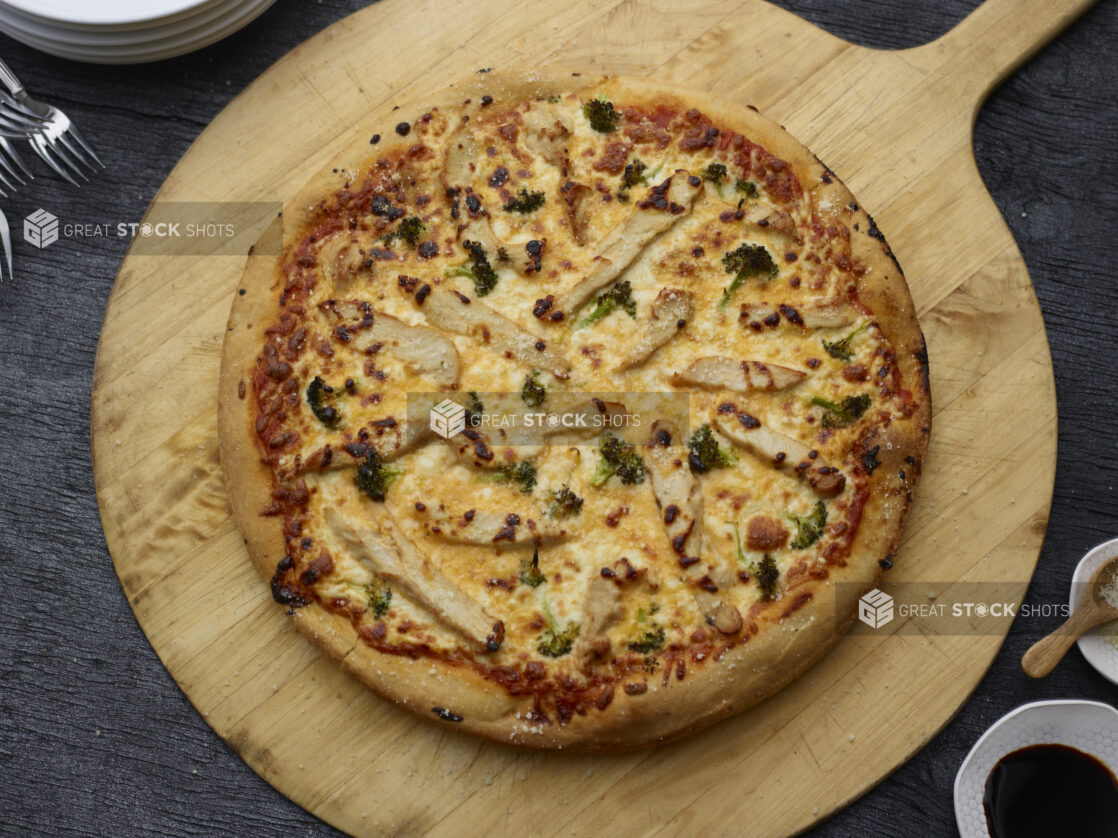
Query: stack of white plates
point(124, 31)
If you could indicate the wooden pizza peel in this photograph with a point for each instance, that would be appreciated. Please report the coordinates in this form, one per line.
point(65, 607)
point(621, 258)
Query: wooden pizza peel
point(894, 125)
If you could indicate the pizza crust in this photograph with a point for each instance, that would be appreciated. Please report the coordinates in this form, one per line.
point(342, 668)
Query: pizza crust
point(791, 634)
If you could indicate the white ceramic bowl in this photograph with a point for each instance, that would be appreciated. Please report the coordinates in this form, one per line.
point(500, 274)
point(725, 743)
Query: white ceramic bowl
point(1087, 726)
point(1098, 652)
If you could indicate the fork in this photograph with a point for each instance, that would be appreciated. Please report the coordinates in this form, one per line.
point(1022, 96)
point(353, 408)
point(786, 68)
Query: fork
point(57, 140)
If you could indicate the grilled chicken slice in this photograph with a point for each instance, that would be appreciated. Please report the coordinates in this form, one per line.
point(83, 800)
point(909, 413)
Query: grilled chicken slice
point(816, 314)
point(575, 199)
point(780, 451)
point(458, 170)
point(545, 131)
point(422, 349)
point(338, 455)
point(395, 558)
point(494, 529)
point(670, 312)
point(656, 214)
point(718, 372)
point(457, 313)
point(602, 609)
point(680, 500)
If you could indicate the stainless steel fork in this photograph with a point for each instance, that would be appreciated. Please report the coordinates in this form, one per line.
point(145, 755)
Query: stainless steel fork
point(57, 140)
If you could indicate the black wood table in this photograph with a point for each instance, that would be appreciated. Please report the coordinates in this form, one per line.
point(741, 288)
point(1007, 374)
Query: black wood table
point(96, 739)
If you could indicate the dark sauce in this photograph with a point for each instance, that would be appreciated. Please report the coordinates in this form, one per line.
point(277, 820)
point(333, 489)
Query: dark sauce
point(1051, 790)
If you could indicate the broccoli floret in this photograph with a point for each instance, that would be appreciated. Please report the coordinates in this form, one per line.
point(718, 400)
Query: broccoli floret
point(563, 503)
point(748, 260)
point(617, 457)
point(634, 174)
point(533, 393)
point(765, 571)
point(474, 405)
point(715, 172)
point(379, 597)
point(317, 392)
point(374, 476)
point(842, 414)
point(525, 202)
point(522, 474)
point(840, 349)
point(411, 230)
point(704, 452)
point(481, 272)
point(503, 255)
point(601, 115)
point(556, 642)
point(530, 573)
point(809, 528)
point(768, 575)
point(746, 187)
point(619, 296)
point(648, 641)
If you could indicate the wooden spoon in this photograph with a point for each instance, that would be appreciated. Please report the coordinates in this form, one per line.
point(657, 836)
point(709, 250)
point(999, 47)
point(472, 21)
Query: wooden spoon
point(1092, 610)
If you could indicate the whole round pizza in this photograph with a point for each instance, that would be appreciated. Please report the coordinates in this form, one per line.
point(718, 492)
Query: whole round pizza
point(574, 412)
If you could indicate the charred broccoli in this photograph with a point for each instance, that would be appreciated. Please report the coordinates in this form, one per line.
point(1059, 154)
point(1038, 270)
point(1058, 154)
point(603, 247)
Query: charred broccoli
point(619, 296)
point(556, 642)
point(474, 405)
point(480, 271)
point(525, 202)
point(768, 575)
point(840, 349)
point(748, 260)
point(765, 571)
point(648, 641)
point(563, 503)
point(317, 392)
point(809, 528)
point(522, 474)
point(379, 597)
point(411, 230)
point(704, 452)
point(746, 187)
point(533, 393)
point(842, 414)
point(618, 457)
point(374, 476)
point(715, 172)
point(530, 573)
point(601, 115)
point(634, 174)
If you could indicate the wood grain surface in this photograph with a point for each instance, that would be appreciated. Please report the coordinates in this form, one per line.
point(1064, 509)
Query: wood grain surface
point(895, 126)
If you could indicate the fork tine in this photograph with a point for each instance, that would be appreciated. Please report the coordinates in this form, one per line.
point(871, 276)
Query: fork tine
point(6, 240)
point(20, 115)
point(7, 183)
point(73, 130)
point(40, 147)
point(66, 158)
point(8, 156)
point(75, 151)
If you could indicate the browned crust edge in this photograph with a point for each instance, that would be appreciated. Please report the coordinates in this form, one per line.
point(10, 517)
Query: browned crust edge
point(785, 646)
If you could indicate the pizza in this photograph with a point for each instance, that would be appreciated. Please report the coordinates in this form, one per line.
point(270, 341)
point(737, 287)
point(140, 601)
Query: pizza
point(726, 325)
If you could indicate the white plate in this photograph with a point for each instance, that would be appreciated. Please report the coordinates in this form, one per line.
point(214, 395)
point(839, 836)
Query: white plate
point(1087, 726)
point(15, 22)
point(105, 12)
point(1100, 654)
point(237, 17)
